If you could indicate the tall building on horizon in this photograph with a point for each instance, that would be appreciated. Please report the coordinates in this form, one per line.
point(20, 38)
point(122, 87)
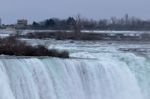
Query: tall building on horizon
point(0, 22)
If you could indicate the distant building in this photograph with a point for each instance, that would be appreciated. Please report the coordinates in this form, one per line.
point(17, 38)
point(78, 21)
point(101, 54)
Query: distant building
point(0, 22)
point(22, 23)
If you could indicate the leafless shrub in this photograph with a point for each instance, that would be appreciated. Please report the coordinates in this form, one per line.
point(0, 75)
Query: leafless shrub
point(13, 46)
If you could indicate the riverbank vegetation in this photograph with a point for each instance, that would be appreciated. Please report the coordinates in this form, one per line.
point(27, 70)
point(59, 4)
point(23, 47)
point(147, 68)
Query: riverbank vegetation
point(124, 23)
point(13, 46)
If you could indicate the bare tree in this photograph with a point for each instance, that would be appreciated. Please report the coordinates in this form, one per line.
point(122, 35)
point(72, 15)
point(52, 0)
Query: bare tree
point(78, 26)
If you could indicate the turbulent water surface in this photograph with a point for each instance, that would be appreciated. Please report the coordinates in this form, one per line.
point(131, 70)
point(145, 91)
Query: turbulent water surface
point(95, 71)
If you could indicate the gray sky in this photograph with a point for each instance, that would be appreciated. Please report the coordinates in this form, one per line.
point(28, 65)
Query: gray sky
point(10, 10)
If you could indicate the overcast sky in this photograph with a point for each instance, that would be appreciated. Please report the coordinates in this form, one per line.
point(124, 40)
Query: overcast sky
point(10, 10)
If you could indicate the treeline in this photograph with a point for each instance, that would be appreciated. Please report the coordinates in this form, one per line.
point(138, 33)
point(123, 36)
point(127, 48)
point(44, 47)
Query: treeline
point(124, 23)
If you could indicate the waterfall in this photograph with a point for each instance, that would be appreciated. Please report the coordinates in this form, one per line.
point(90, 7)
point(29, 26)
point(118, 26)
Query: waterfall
point(110, 76)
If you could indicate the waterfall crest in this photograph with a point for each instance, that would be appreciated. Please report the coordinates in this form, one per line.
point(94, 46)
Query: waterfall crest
point(108, 77)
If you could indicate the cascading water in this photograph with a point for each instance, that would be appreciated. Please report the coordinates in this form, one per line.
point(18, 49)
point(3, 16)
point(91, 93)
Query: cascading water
point(110, 76)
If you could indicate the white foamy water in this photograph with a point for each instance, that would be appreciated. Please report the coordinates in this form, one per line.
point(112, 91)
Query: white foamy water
point(96, 70)
point(109, 76)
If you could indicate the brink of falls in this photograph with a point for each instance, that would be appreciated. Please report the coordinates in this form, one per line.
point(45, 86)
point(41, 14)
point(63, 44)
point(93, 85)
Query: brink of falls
point(107, 76)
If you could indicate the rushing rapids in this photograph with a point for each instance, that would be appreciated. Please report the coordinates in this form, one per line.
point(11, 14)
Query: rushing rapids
point(107, 76)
